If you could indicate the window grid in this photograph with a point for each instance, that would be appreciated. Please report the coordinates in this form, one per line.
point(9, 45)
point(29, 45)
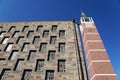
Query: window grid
point(43, 47)
point(51, 55)
point(54, 27)
point(49, 75)
point(61, 66)
point(25, 47)
point(36, 39)
point(5, 40)
point(61, 33)
point(46, 33)
point(61, 47)
point(12, 28)
point(25, 28)
point(40, 64)
point(53, 39)
point(39, 28)
point(15, 34)
point(4, 73)
point(30, 34)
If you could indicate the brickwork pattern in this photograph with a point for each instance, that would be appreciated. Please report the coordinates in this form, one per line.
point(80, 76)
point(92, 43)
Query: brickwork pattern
point(69, 55)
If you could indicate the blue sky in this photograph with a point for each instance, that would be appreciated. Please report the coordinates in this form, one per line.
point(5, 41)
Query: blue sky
point(106, 14)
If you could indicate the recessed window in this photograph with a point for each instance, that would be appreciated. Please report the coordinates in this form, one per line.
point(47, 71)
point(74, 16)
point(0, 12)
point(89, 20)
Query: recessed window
point(4, 73)
point(39, 28)
point(30, 34)
point(15, 34)
point(51, 55)
point(86, 19)
point(46, 33)
point(25, 28)
point(54, 27)
point(39, 64)
point(1, 61)
point(8, 47)
point(43, 47)
point(25, 47)
point(26, 74)
point(31, 55)
point(49, 75)
point(36, 39)
point(20, 40)
point(61, 47)
point(61, 65)
point(18, 65)
point(1, 28)
point(5, 40)
point(2, 34)
point(13, 55)
point(12, 29)
point(53, 39)
point(62, 33)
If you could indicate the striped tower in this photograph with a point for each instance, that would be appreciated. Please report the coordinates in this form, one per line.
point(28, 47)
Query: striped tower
point(98, 63)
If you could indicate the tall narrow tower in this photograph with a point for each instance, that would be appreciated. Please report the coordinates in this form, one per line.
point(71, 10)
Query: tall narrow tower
point(98, 63)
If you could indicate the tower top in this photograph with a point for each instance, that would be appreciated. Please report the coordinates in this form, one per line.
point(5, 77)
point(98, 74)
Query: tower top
point(83, 14)
point(85, 19)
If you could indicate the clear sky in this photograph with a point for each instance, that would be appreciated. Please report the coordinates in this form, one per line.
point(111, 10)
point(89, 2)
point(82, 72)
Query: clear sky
point(106, 14)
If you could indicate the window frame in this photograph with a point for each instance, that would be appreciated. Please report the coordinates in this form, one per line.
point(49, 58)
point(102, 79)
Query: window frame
point(59, 48)
point(38, 67)
point(50, 55)
point(49, 75)
point(54, 26)
point(41, 46)
point(44, 33)
point(24, 28)
point(52, 38)
point(63, 32)
point(61, 68)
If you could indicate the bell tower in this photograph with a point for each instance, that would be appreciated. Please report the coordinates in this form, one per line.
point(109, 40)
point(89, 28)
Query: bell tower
point(98, 63)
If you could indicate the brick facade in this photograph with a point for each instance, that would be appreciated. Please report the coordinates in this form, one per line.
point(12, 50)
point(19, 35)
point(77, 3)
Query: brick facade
point(99, 65)
point(74, 69)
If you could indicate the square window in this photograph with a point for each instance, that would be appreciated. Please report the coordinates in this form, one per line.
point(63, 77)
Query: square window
point(25, 47)
point(18, 65)
point(12, 29)
point(61, 65)
point(5, 40)
point(25, 28)
point(13, 55)
point(61, 47)
point(53, 39)
point(49, 75)
point(15, 34)
point(4, 73)
point(31, 55)
point(26, 74)
point(39, 64)
point(30, 34)
point(20, 40)
point(43, 47)
point(2, 34)
point(62, 33)
point(39, 28)
point(8, 47)
point(46, 33)
point(51, 55)
point(36, 39)
point(54, 27)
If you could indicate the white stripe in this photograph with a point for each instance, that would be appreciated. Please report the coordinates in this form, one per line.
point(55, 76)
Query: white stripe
point(94, 50)
point(91, 41)
point(88, 33)
point(93, 61)
point(101, 75)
